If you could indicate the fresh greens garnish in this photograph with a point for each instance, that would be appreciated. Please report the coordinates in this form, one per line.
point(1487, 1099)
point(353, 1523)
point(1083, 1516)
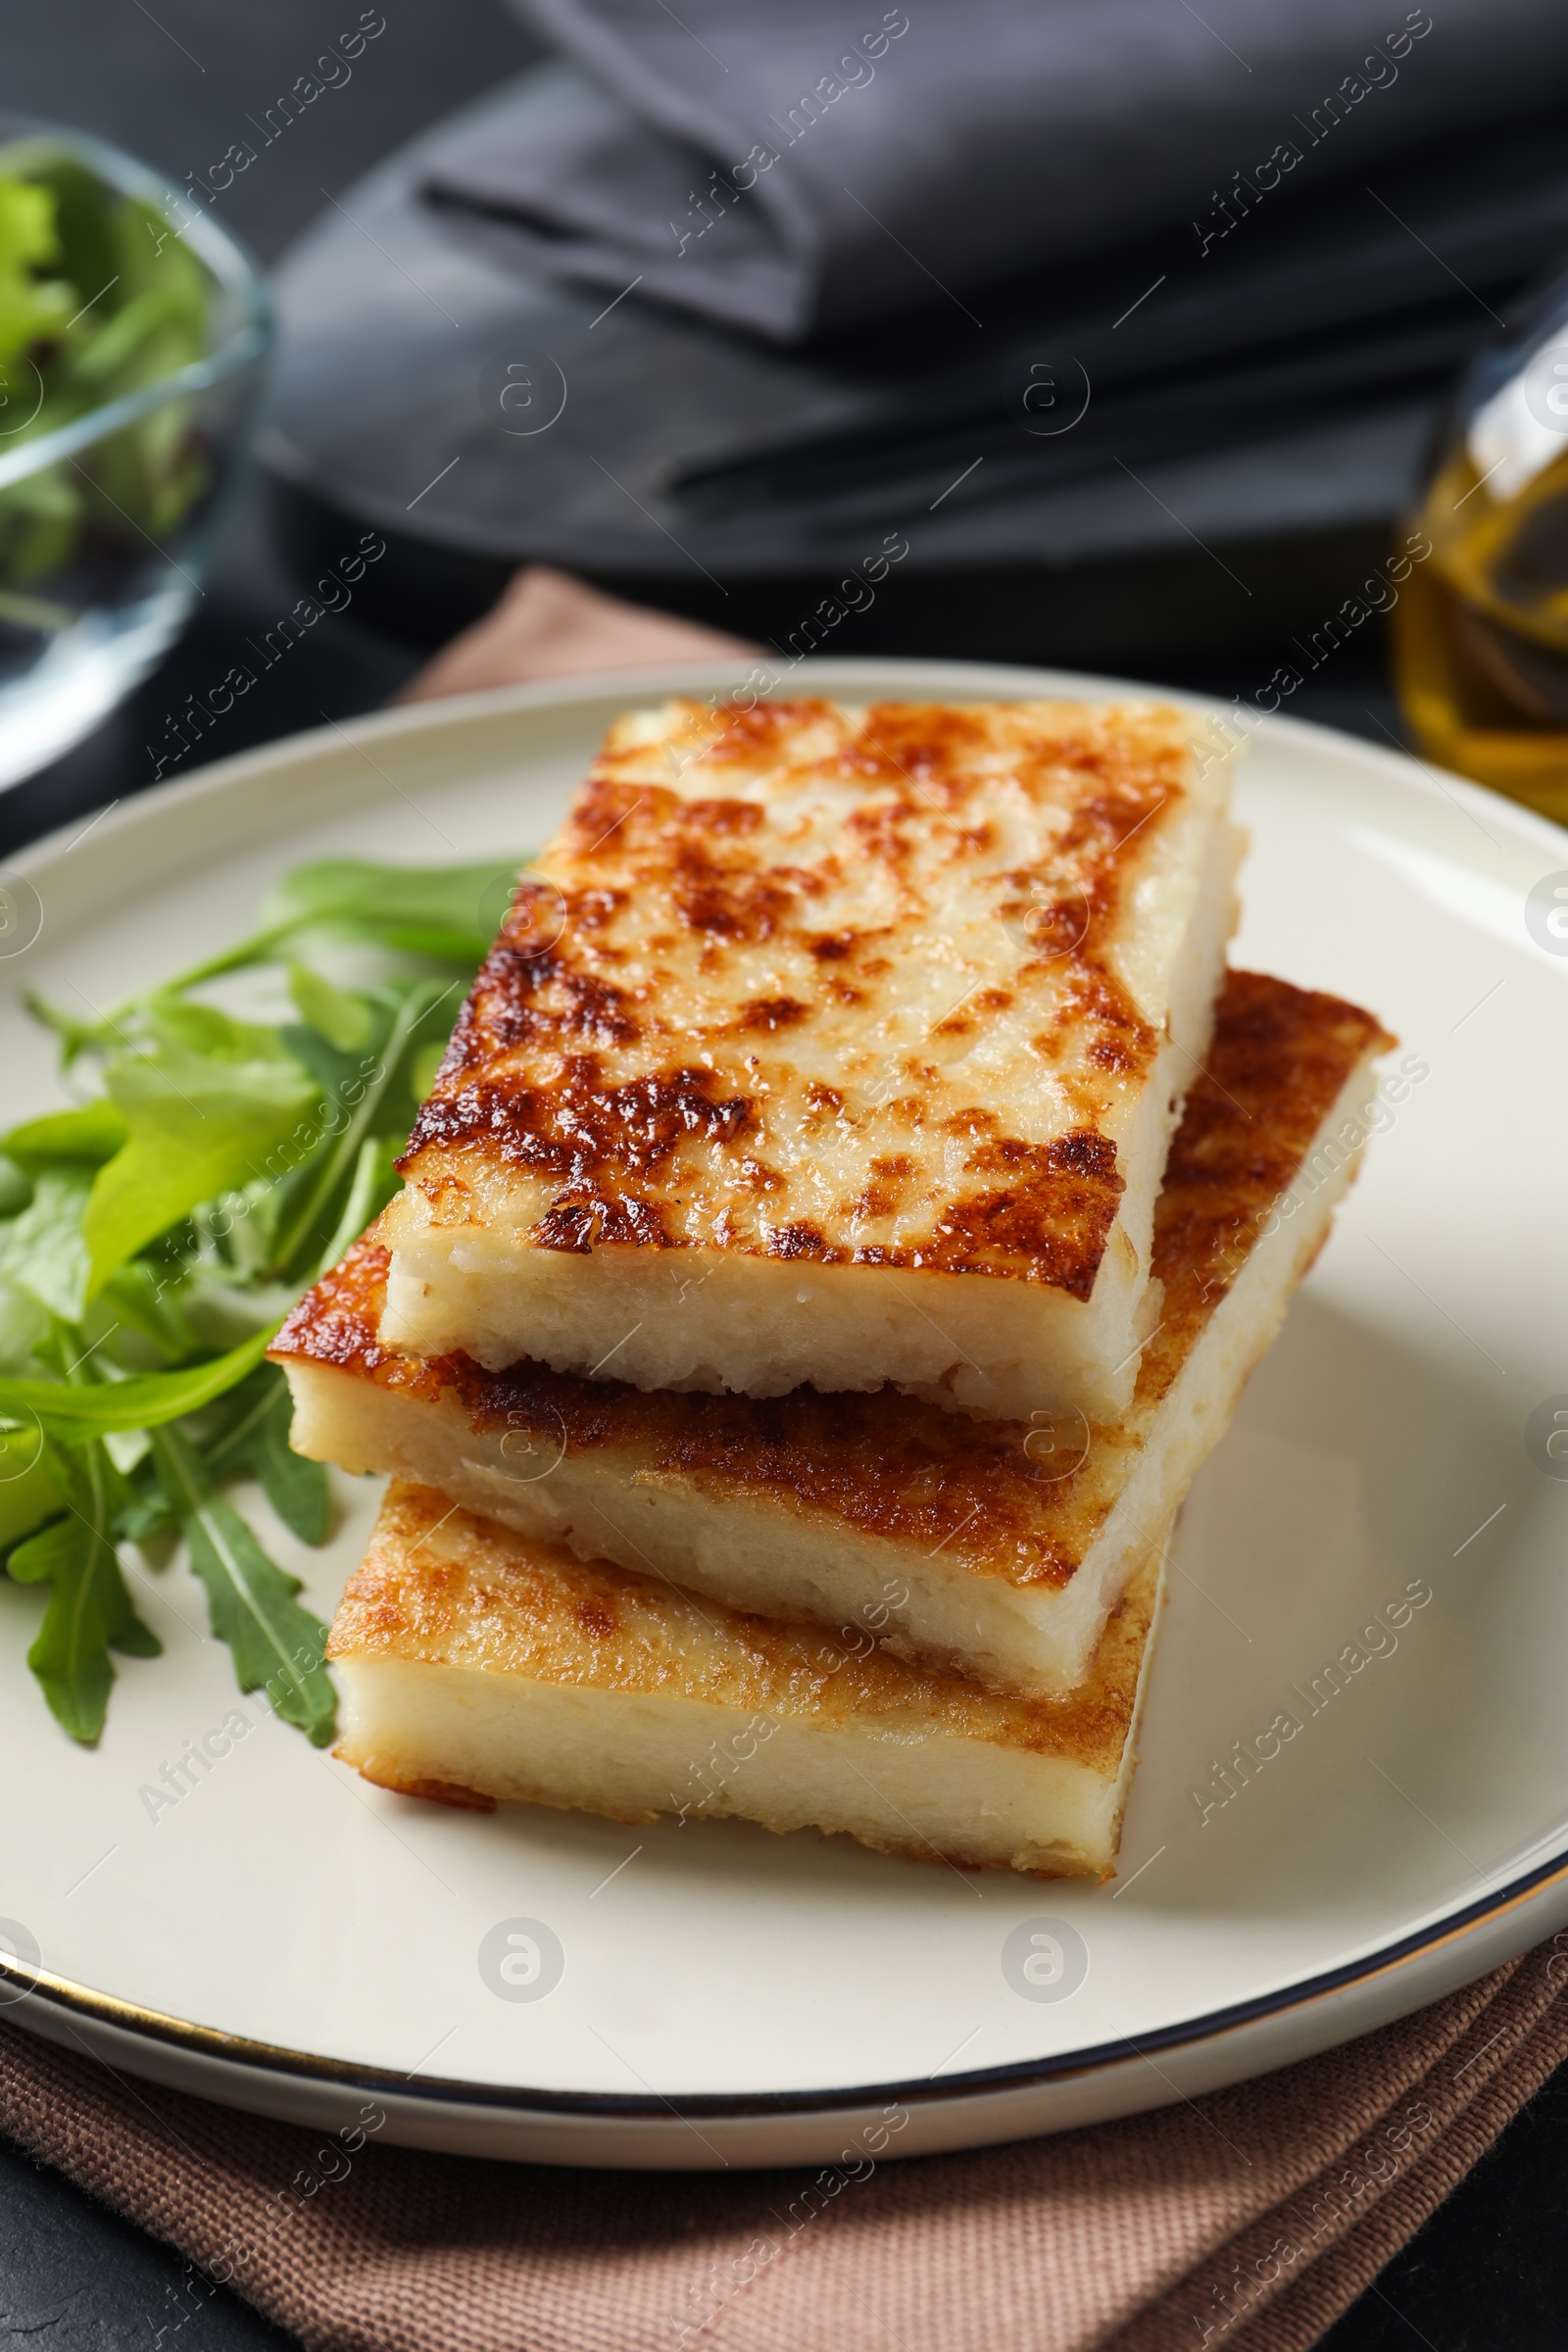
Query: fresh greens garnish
point(277, 1644)
point(137, 1400)
point(209, 1105)
point(152, 1237)
point(99, 297)
point(90, 1611)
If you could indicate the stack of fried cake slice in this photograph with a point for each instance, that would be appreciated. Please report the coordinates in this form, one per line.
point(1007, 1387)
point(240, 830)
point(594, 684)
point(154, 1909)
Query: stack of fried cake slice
point(852, 1202)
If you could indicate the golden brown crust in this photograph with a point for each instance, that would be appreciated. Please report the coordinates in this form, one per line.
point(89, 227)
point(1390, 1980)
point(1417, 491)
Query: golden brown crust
point(433, 1792)
point(884, 1464)
point(440, 1587)
point(335, 1323)
point(813, 946)
point(1280, 1059)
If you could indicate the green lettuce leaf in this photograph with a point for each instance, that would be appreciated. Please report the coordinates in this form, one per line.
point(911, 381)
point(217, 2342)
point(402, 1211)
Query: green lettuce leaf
point(254, 1436)
point(344, 1019)
point(276, 1643)
point(225, 1157)
point(143, 1400)
point(370, 1096)
point(28, 1495)
point(90, 1611)
point(90, 1134)
point(45, 1253)
point(31, 307)
point(451, 911)
point(214, 1105)
point(147, 1298)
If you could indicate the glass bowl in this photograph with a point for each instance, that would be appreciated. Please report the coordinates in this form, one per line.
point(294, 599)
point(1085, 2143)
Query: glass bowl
point(133, 339)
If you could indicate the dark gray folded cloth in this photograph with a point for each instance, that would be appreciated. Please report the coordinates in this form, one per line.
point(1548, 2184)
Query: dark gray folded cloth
point(814, 167)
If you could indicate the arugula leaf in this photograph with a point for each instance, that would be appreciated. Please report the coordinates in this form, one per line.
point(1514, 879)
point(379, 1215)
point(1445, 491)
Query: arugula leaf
point(82, 224)
point(23, 1327)
point(449, 911)
point(254, 1436)
point(28, 1493)
point(250, 1155)
point(274, 1642)
point(152, 472)
point(148, 1511)
point(77, 1037)
point(91, 1133)
point(90, 1611)
point(214, 1104)
point(376, 1182)
point(173, 1021)
point(149, 1302)
point(425, 910)
point(31, 307)
point(143, 1400)
point(423, 1067)
point(45, 1254)
point(63, 232)
point(127, 348)
point(370, 1091)
point(346, 1021)
point(40, 518)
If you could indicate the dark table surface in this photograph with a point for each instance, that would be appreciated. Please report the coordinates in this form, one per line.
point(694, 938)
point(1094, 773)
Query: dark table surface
point(1490, 2272)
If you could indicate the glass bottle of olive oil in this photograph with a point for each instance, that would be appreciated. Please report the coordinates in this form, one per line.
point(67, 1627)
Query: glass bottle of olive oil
point(1481, 628)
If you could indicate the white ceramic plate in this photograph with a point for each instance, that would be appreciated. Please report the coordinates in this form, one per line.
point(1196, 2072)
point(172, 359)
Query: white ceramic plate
point(289, 1940)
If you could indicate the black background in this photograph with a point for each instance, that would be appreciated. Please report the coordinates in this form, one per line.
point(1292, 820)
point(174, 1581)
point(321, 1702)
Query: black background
point(1490, 2272)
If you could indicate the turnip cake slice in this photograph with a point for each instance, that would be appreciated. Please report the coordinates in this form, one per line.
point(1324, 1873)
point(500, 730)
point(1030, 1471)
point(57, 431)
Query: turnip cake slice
point(829, 1044)
point(995, 1550)
point(476, 1664)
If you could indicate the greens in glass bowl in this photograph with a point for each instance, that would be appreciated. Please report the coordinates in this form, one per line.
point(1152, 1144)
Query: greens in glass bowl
point(133, 335)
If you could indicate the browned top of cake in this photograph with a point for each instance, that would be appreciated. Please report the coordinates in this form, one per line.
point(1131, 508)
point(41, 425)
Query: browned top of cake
point(441, 1588)
point(888, 1465)
point(850, 985)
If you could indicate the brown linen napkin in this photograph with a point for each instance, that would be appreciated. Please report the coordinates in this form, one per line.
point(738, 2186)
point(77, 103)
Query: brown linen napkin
point(1247, 2219)
point(549, 626)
